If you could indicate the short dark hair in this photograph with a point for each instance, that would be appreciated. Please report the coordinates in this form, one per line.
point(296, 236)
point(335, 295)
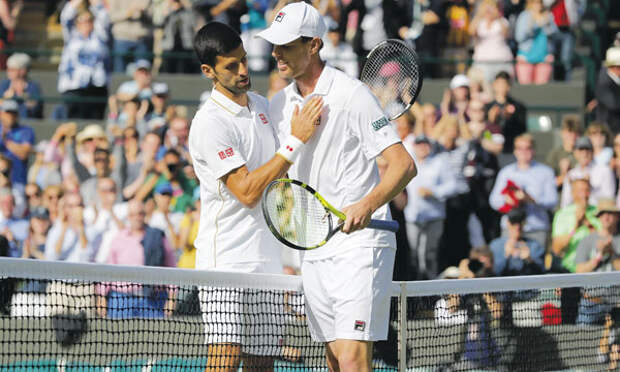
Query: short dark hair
point(215, 39)
point(504, 75)
point(516, 215)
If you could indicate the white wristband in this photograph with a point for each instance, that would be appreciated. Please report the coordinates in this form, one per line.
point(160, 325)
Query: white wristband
point(291, 148)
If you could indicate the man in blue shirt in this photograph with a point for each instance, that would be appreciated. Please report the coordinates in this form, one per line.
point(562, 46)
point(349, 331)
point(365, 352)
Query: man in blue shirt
point(536, 193)
point(515, 254)
point(20, 87)
point(16, 141)
point(14, 229)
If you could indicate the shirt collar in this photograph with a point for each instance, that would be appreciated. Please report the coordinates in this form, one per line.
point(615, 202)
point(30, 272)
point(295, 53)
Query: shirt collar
point(226, 103)
point(322, 86)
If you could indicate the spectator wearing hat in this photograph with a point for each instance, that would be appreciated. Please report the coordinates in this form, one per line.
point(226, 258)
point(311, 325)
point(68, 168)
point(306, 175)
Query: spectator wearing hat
point(84, 64)
point(599, 252)
point(19, 87)
point(536, 192)
point(515, 254)
point(506, 111)
point(601, 177)
point(161, 110)
point(456, 100)
point(338, 53)
point(34, 245)
point(608, 91)
point(426, 209)
point(132, 28)
point(164, 217)
point(140, 86)
point(16, 142)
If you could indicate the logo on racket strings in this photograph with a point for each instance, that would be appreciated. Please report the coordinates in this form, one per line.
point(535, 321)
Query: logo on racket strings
point(279, 17)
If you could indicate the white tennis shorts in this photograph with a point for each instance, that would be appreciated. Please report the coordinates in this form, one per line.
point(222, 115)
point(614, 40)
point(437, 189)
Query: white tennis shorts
point(252, 318)
point(348, 296)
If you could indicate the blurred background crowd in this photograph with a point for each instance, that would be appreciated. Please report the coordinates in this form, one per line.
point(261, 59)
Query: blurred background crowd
point(104, 154)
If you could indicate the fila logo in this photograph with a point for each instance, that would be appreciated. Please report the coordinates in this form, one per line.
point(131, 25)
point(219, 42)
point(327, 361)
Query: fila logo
point(279, 17)
point(359, 325)
point(226, 153)
point(263, 118)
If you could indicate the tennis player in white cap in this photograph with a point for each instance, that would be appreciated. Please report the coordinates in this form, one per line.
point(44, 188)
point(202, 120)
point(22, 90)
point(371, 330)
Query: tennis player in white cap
point(347, 281)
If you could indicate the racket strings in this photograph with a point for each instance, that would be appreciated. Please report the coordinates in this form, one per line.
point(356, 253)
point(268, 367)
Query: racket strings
point(392, 73)
point(296, 215)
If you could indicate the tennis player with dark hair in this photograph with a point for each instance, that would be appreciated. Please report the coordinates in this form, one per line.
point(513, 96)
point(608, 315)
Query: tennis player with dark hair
point(233, 145)
point(347, 281)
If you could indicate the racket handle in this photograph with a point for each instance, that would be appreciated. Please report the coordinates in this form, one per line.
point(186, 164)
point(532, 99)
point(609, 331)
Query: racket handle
point(384, 225)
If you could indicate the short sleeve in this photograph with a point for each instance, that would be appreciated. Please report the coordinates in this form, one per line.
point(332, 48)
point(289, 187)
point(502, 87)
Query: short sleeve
point(370, 124)
point(217, 145)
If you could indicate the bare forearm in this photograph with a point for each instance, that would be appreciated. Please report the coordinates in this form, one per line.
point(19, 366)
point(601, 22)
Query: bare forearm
point(560, 243)
point(396, 177)
point(249, 187)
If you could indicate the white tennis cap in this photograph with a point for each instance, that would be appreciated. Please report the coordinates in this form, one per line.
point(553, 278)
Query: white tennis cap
point(292, 22)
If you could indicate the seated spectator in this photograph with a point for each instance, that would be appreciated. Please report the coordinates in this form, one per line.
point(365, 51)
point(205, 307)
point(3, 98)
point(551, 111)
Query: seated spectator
point(55, 151)
point(83, 69)
point(506, 111)
point(70, 238)
point(573, 223)
point(188, 230)
point(19, 87)
point(600, 136)
point(13, 228)
point(534, 29)
point(128, 114)
point(137, 245)
point(456, 99)
point(107, 215)
point(489, 135)
point(9, 15)
point(175, 138)
point(16, 143)
point(143, 167)
point(535, 190)
point(490, 31)
point(515, 254)
point(140, 86)
point(479, 85)
point(602, 181)
point(608, 91)
point(339, 54)
point(426, 210)
point(163, 217)
point(51, 198)
point(426, 118)
point(599, 252)
point(80, 150)
point(103, 169)
point(178, 39)
point(19, 199)
point(31, 299)
point(561, 158)
point(131, 30)
point(34, 197)
point(42, 172)
point(160, 109)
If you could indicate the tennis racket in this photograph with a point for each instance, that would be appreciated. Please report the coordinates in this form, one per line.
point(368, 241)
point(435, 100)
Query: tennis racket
point(393, 73)
point(301, 218)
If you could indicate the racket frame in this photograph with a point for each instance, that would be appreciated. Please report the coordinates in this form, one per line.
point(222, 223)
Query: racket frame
point(416, 60)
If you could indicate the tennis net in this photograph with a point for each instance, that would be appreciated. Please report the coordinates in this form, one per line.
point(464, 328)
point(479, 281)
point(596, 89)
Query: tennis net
point(59, 316)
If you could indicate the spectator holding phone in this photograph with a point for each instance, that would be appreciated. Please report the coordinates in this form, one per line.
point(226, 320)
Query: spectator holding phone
point(515, 254)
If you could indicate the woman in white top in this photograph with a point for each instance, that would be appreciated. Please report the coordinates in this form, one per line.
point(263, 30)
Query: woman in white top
point(490, 30)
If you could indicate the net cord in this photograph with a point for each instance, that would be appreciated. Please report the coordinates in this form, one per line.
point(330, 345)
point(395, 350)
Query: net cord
point(58, 270)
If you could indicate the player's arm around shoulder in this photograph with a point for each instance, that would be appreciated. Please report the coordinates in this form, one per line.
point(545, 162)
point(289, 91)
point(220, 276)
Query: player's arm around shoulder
point(248, 186)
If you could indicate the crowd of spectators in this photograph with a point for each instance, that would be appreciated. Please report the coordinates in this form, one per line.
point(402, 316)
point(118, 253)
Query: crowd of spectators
point(123, 191)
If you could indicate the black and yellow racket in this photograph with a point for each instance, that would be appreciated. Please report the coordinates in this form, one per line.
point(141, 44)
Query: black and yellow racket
point(301, 218)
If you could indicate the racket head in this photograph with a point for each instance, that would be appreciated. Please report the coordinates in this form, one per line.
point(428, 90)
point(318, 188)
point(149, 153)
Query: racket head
point(393, 72)
point(296, 215)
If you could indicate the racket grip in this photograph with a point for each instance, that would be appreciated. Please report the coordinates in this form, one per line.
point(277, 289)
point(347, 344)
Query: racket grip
point(384, 225)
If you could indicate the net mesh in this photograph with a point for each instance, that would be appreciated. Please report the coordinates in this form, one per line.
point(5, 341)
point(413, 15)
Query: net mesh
point(296, 215)
point(393, 74)
point(52, 318)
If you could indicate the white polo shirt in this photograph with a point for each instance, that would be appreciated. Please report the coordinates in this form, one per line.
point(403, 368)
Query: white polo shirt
point(224, 136)
point(339, 160)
